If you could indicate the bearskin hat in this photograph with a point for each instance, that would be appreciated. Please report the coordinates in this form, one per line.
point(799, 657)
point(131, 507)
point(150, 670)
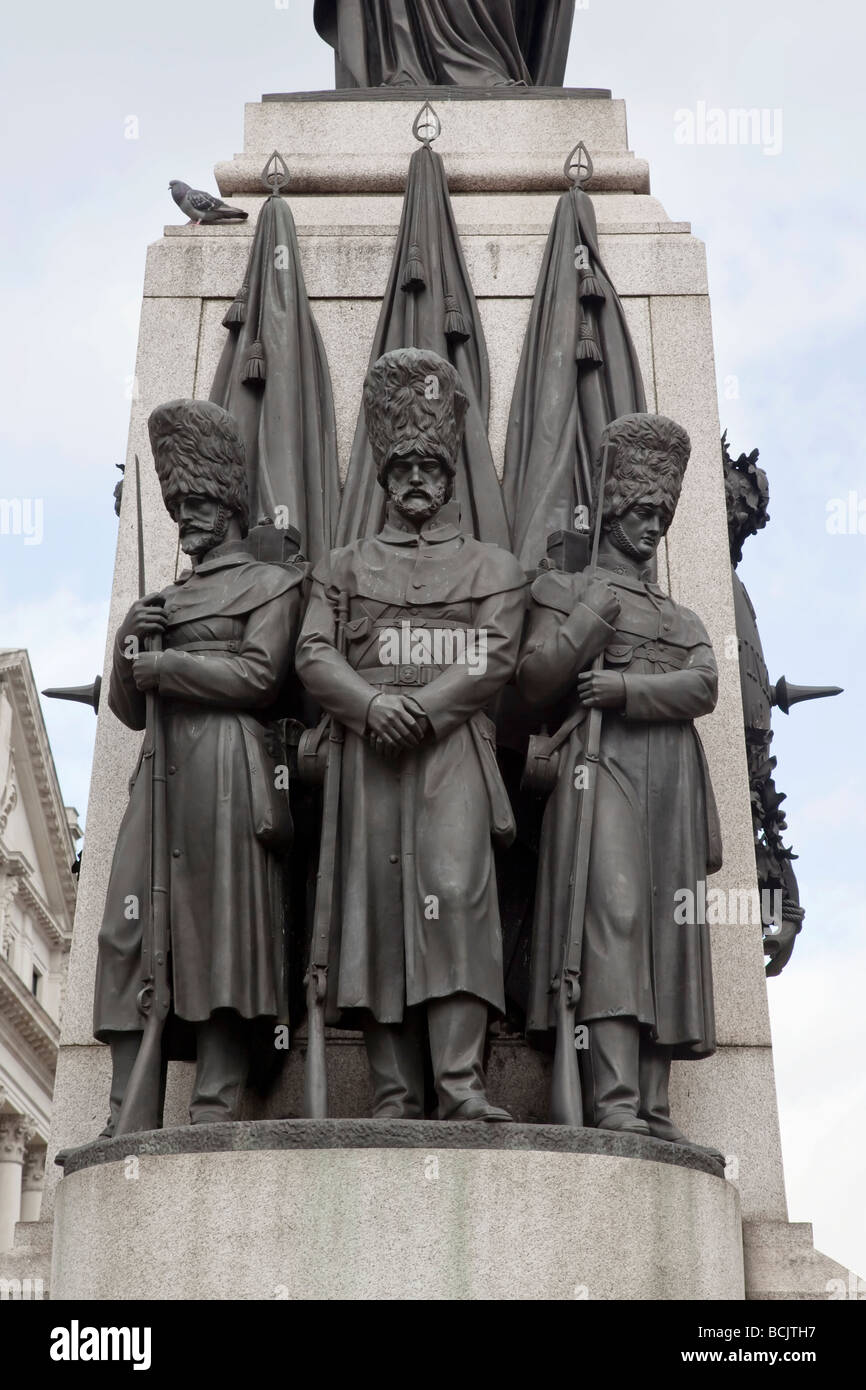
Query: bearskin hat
point(646, 461)
point(415, 404)
point(198, 451)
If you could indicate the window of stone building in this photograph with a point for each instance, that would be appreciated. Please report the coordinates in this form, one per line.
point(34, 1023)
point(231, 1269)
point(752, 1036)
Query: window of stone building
point(35, 982)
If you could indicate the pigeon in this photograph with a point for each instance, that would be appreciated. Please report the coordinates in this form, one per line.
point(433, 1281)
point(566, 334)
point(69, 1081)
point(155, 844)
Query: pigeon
point(203, 208)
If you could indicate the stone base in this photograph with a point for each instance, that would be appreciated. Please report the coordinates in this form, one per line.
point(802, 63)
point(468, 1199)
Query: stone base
point(393, 1210)
point(492, 140)
point(782, 1263)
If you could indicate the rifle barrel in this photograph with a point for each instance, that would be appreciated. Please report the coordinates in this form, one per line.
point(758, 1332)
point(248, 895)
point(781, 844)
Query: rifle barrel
point(142, 1103)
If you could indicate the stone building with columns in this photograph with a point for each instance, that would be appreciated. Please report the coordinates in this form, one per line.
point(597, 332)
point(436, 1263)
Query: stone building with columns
point(37, 902)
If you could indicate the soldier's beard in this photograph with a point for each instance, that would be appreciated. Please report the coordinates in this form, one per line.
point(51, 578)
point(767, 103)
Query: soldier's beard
point(419, 503)
point(198, 540)
point(622, 542)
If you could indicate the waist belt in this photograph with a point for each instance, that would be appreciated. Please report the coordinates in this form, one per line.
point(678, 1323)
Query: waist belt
point(213, 646)
point(419, 620)
point(660, 654)
point(400, 675)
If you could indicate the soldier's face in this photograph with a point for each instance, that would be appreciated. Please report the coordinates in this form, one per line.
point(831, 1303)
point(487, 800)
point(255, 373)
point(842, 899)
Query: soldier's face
point(202, 524)
point(644, 524)
point(418, 487)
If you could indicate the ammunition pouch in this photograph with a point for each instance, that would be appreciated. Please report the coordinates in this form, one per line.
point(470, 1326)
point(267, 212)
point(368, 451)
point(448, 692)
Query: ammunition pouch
point(543, 756)
point(313, 752)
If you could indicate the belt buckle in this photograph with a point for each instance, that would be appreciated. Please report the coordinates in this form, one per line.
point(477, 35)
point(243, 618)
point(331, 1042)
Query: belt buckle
point(409, 675)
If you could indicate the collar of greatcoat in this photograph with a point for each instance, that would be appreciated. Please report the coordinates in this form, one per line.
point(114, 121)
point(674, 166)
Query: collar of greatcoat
point(402, 566)
point(229, 583)
point(444, 526)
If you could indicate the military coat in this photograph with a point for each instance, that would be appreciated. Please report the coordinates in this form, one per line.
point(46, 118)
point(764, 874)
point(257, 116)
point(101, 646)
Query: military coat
point(418, 916)
point(655, 828)
point(228, 651)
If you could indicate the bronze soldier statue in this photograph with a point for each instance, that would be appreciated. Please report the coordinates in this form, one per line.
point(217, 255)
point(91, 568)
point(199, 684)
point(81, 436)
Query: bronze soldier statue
point(228, 627)
point(431, 629)
point(645, 978)
point(447, 43)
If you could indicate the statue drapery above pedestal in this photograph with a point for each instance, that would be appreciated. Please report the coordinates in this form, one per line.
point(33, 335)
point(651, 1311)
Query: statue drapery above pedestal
point(447, 43)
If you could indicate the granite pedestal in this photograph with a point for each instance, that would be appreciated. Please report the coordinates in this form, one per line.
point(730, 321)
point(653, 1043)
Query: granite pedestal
point(371, 1209)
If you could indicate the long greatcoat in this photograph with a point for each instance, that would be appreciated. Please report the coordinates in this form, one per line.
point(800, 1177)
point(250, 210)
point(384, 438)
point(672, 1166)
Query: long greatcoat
point(228, 651)
point(655, 829)
point(418, 916)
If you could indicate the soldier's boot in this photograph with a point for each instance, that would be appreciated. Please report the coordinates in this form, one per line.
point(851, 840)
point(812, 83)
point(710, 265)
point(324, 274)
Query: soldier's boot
point(395, 1053)
point(614, 1068)
point(457, 1027)
point(124, 1050)
point(655, 1106)
point(222, 1063)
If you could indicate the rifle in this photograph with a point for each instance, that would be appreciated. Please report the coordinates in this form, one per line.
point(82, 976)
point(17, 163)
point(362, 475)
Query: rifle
point(316, 981)
point(142, 1103)
point(566, 1104)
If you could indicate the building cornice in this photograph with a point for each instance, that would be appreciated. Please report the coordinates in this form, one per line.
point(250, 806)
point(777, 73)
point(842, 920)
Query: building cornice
point(16, 865)
point(27, 1016)
point(16, 674)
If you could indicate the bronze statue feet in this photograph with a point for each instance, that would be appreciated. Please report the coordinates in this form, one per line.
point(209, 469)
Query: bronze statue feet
point(624, 1122)
point(479, 1108)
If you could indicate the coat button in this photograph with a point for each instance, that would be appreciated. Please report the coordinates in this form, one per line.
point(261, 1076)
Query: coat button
point(172, 770)
point(395, 859)
point(175, 854)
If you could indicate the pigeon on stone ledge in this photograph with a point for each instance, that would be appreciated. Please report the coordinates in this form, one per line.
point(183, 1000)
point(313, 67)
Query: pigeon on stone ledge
point(203, 208)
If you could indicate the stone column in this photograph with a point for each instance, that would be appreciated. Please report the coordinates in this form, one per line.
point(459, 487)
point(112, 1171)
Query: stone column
point(32, 1183)
point(15, 1133)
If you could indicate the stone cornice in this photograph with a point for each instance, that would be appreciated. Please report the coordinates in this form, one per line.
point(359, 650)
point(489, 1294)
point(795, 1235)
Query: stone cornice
point(27, 1016)
point(19, 869)
point(16, 674)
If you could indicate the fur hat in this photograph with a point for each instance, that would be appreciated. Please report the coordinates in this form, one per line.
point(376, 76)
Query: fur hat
point(415, 404)
point(198, 451)
point(647, 459)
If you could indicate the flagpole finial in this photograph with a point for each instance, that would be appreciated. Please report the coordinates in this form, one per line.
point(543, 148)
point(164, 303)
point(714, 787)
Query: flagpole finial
point(78, 694)
point(427, 126)
point(275, 176)
point(578, 168)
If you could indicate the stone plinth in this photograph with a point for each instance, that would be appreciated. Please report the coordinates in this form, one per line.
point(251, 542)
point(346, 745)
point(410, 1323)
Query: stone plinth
point(496, 144)
point(781, 1263)
point(394, 1210)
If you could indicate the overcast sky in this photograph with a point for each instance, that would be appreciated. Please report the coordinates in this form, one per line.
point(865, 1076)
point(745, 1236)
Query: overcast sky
point(784, 233)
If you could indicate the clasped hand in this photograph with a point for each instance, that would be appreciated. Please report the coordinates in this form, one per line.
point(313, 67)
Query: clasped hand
point(395, 723)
